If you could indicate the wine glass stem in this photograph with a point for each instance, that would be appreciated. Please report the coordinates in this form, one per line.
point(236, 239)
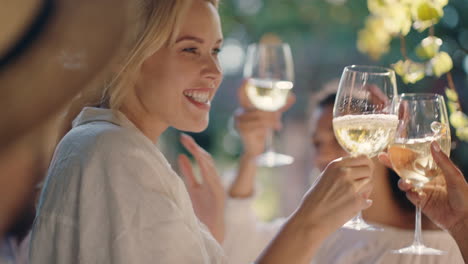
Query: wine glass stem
point(269, 141)
point(417, 231)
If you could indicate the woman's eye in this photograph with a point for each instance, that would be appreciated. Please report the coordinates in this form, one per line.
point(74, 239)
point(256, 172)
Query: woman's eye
point(216, 51)
point(190, 50)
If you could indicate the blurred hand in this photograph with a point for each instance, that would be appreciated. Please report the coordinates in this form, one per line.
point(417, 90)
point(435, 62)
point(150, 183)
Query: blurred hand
point(253, 125)
point(342, 191)
point(208, 196)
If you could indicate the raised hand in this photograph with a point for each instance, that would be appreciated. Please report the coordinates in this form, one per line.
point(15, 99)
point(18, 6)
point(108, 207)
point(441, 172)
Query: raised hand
point(253, 124)
point(445, 199)
point(341, 192)
point(207, 194)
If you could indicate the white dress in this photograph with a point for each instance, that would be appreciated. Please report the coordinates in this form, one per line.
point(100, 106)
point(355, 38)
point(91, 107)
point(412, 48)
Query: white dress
point(111, 197)
point(246, 237)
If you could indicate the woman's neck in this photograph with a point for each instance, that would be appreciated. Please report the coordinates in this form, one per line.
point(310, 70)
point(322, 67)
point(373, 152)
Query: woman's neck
point(150, 126)
point(385, 209)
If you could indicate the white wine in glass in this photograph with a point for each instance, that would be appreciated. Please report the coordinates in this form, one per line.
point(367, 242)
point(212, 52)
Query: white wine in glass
point(365, 134)
point(364, 116)
point(270, 74)
point(423, 119)
point(268, 95)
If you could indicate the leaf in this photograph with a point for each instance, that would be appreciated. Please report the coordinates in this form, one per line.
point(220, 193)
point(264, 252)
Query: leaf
point(451, 95)
point(441, 3)
point(409, 71)
point(441, 64)
point(428, 47)
point(453, 107)
point(420, 26)
point(378, 7)
point(372, 40)
point(427, 11)
point(458, 119)
point(397, 19)
point(462, 133)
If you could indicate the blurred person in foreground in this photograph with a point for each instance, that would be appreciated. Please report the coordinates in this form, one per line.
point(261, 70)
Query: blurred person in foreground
point(50, 50)
point(390, 209)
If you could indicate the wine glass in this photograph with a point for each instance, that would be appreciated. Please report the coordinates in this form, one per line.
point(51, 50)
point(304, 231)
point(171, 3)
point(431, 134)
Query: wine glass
point(423, 119)
point(270, 73)
point(364, 116)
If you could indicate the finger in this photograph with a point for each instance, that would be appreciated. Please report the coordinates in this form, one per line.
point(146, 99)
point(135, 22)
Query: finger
point(187, 171)
point(405, 185)
point(242, 95)
point(415, 197)
point(189, 143)
point(377, 96)
point(385, 160)
point(198, 153)
point(353, 161)
point(252, 128)
point(365, 204)
point(203, 158)
point(266, 119)
point(453, 176)
point(364, 187)
point(247, 126)
point(364, 190)
point(255, 115)
point(358, 172)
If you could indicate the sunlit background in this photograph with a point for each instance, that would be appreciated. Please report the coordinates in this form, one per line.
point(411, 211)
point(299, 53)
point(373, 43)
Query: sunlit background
point(323, 36)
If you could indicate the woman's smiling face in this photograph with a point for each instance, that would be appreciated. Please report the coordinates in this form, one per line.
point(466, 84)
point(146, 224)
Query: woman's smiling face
point(178, 82)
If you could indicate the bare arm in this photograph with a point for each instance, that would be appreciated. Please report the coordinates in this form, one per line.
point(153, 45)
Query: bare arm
point(342, 191)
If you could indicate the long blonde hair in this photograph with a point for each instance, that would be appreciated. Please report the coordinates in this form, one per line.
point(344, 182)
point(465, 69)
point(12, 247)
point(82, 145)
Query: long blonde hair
point(155, 24)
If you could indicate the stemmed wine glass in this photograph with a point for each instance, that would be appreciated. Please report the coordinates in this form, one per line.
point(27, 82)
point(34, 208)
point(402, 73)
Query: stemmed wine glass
point(364, 118)
point(270, 73)
point(422, 120)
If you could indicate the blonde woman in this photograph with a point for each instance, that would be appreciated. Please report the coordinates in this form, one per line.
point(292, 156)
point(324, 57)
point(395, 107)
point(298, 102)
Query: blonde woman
point(111, 196)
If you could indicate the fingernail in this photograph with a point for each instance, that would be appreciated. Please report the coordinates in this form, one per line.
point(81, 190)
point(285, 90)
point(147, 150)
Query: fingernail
point(435, 146)
point(185, 136)
point(369, 202)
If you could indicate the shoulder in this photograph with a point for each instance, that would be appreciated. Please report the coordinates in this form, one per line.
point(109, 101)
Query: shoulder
point(101, 137)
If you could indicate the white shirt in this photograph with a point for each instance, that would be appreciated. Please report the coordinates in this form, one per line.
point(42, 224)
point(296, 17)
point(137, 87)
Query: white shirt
point(246, 236)
point(13, 253)
point(111, 197)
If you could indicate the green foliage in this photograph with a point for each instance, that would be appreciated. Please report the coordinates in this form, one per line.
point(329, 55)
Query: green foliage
point(393, 18)
point(409, 71)
point(428, 47)
point(458, 119)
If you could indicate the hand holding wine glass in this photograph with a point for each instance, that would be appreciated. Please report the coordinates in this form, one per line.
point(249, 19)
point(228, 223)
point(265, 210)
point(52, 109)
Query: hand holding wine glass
point(422, 120)
point(444, 199)
point(270, 74)
point(364, 118)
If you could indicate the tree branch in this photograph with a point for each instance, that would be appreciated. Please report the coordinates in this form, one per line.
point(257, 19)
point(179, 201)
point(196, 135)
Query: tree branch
point(403, 47)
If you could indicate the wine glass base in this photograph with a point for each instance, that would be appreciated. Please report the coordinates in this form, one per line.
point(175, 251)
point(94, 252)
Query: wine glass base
point(419, 250)
point(273, 159)
point(361, 225)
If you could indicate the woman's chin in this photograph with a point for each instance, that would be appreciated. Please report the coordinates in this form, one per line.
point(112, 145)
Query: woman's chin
point(194, 127)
